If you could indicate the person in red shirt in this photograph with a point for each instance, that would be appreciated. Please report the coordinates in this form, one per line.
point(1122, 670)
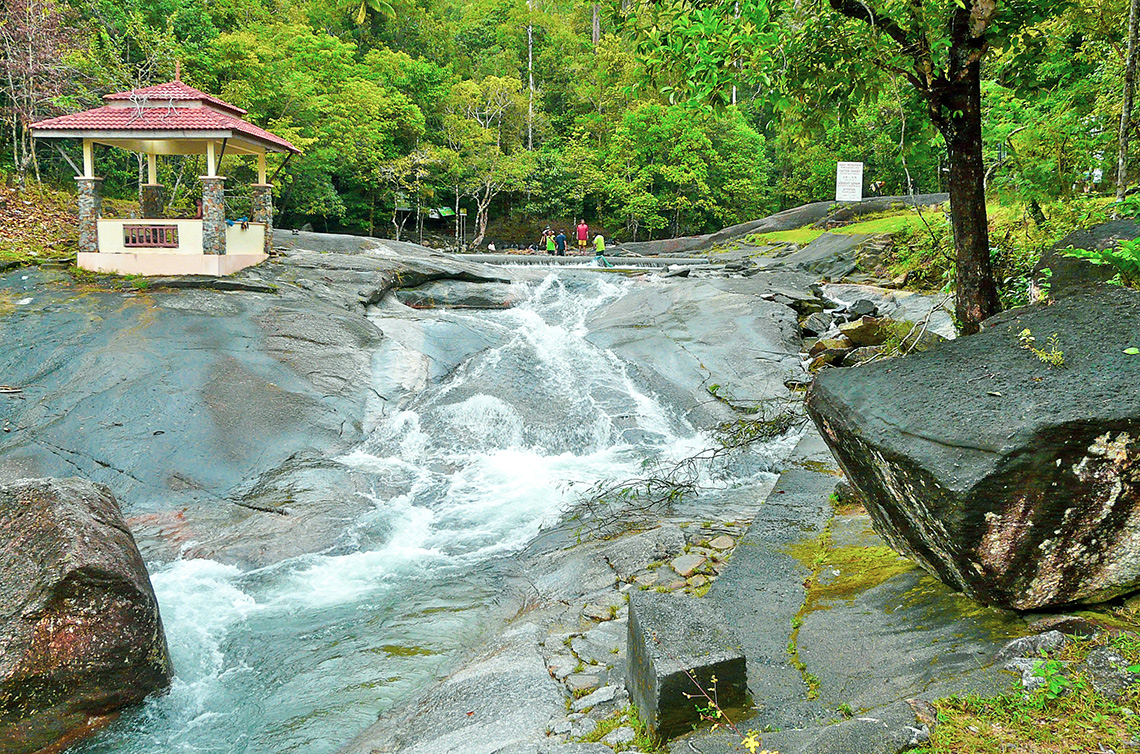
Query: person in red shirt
point(583, 235)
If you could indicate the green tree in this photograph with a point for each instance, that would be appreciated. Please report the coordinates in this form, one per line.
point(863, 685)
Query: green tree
point(938, 48)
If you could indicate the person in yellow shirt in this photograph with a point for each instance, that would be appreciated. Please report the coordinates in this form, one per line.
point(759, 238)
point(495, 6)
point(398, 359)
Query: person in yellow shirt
point(599, 251)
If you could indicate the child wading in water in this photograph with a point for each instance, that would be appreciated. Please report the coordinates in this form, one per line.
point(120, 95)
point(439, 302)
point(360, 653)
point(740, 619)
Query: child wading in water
point(600, 250)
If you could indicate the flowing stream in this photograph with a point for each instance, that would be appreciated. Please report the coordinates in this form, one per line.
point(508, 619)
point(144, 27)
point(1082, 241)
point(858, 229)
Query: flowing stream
point(300, 656)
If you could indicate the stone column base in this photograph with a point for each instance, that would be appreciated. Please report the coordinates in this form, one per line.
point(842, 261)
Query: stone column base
point(262, 210)
point(213, 214)
point(153, 200)
point(90, 207)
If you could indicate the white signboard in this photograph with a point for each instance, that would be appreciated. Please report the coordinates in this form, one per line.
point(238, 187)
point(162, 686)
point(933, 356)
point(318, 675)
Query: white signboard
point(849, 182)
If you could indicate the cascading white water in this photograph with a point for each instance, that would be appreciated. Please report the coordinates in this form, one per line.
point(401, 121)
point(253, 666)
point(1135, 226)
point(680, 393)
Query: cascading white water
point(298, 656)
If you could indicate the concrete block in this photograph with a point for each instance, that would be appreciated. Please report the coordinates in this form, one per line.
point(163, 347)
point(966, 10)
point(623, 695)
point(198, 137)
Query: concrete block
point(676, 645)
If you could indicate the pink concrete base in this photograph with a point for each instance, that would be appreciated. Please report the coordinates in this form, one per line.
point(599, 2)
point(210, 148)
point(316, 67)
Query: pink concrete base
point(153, 264)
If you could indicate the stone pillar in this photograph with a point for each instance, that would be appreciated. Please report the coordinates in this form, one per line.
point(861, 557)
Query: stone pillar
point(90, 206)
point(213, 214)
point(153, 200)
point(262, 210)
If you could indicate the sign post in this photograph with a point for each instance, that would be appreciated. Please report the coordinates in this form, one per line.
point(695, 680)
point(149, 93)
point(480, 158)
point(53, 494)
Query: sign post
point(849, 182)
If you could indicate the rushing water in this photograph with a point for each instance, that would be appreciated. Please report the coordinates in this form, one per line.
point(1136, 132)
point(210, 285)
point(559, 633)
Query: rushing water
point(299, 656)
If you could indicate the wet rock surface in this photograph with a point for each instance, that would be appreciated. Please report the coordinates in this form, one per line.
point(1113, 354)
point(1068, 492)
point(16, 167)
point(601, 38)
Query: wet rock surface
point(685, 337)
point(871, 633)
point(204, 408)
point(1007, 477)
point(79, 624)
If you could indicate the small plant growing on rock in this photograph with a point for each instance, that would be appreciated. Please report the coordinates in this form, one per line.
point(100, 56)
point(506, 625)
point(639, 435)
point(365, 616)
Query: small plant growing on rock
point(1051, 671)
point(1051, 354)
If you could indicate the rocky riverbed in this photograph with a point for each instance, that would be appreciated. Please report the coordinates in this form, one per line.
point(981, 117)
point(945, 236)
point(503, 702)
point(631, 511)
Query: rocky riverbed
point(356, 474)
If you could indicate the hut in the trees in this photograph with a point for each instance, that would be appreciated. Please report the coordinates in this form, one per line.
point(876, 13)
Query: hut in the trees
point(170, 119)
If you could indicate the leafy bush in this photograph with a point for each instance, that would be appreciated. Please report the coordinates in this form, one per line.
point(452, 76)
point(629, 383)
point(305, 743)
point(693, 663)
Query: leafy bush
point(1125, 258)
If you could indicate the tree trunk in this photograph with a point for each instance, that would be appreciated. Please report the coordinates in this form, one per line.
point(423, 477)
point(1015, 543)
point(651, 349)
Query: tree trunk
point(457, 245)
point(959, 118)
point(597, 24)
point(481, 212)
point(530, 76)
point(1126, 103)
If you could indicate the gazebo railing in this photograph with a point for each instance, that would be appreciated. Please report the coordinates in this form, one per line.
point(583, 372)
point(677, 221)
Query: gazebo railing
point(150, 236)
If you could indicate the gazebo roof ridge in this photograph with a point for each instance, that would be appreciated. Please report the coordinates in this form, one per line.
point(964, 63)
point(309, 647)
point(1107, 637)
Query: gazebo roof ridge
point(170, 92)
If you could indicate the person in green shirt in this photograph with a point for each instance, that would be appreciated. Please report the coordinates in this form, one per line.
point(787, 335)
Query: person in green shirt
point(548, 234)
point(600, 250)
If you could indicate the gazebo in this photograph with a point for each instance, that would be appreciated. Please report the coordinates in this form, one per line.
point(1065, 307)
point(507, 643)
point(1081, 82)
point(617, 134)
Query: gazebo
point(170, 119)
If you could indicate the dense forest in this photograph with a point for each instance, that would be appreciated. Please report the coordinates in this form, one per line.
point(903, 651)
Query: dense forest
point(529, 112)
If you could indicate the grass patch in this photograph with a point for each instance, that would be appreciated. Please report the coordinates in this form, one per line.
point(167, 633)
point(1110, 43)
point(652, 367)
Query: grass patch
point(801, 236)
point(628, 716)
point(887, 224)
point(1078, 721)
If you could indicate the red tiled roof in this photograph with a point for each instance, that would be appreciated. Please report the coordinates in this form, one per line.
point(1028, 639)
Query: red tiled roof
point(112, 118)
point(173, 91)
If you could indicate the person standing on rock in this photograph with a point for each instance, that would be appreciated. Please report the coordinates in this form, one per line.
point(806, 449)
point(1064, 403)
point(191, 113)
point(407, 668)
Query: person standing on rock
point(583, 235)
point(560, 243)
point(548, 239)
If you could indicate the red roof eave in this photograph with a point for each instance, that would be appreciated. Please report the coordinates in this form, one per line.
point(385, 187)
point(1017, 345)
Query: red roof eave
point(160, 122)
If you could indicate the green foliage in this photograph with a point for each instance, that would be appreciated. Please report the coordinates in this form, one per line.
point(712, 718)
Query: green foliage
point(638, 133)
point(702, 53)
point(1125, 258)
point(1055, 682)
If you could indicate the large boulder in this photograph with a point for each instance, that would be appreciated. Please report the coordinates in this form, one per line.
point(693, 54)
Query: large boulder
point(79, 627)
point(1011, 479)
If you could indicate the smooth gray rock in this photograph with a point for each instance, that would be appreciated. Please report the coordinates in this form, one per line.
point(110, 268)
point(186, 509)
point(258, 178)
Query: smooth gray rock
point(687, 564)
point(681, 339)
point(1068, 274)
point(1032, 646)
point(892, 729)
point(1110, 672)
point(619, 736)
point(676, 645)
point(1006, 477)
point(561, 665)
point(206, 399)
point(456, 294)
point(909, 306)
point(887, 730)
point(762, 590)
point(630, 554)
point(601, 696)
point(831, 256)
point(508, 689)
point(598, 643)
point(574, 748)
point(816, 324)
point(894, 638)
